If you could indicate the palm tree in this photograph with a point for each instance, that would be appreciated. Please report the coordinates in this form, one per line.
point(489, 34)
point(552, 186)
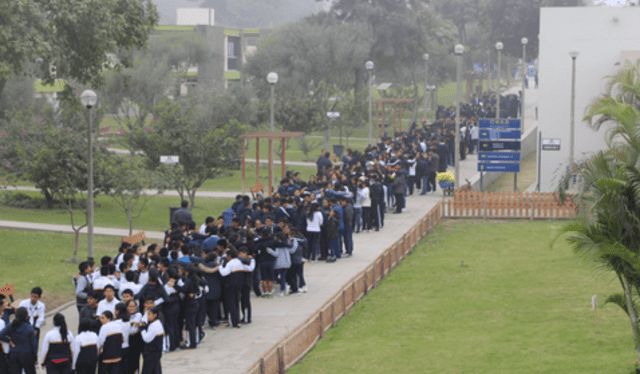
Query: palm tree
point(607, 231)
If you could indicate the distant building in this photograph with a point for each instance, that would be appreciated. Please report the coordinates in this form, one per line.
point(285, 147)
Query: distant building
point(606, 38)
point(229, 46)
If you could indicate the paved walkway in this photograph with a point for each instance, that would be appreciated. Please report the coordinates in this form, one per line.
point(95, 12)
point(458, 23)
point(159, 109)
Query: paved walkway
point(233, 351)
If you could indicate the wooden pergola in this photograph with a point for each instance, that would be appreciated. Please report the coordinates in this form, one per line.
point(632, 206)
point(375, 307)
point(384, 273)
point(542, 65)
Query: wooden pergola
point(397, 115)
point(271, 136)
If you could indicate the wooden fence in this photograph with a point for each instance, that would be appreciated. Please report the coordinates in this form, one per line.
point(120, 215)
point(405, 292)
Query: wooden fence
point(531, 205)
point(298, 342)
point(465, 204)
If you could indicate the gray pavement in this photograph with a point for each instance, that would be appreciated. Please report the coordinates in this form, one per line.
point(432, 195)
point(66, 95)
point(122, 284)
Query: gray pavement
point(235, 350)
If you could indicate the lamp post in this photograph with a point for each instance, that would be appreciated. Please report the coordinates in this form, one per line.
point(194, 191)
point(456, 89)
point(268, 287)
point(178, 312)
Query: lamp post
point(524, 42)
point(499, 47)
point(369, 66)
point(574, 54)
point(89, 98)
point(272, 78)
point(459, 50)
point(425, 57)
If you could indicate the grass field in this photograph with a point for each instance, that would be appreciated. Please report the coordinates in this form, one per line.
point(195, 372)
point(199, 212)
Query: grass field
point(32, 259)
point(526, 177)
point(155, 216)
point(513, 306)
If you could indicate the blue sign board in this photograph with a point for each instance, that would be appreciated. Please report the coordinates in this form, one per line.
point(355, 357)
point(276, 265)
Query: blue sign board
point(499, 146)
point(496, 134)
point(499, 156)
point(499, 167)
point(500, 123)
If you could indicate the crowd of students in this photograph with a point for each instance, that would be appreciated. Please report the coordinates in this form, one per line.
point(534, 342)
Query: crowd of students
point(139, 302)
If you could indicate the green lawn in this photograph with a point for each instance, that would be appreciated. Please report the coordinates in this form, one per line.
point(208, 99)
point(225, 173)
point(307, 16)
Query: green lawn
point(32, 259)
point(155, 216)
point(232, 180)
point(526, 176)
point(515, 306)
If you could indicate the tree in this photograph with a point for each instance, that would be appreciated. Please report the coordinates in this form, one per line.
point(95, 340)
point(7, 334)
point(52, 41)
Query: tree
point(130, 182)
point(315, 60)
point(74, 37)
point(608, 232)
point(403, 31)
point(186, 129)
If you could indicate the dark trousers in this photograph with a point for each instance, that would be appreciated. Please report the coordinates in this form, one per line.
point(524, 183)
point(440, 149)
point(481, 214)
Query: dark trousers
point(201, 316)
point(431, 180)
point(399, 197)
point(376, 211)
point(324, 245)
point(213, 306)
point(231, 297)
point(256, 282)
point(113, 368)
point(135, 350)
point(245, 303)
point(412, 181)
point(151, 364)
point(366, 218)
point(347, 239)
point(4, 362)
point(124, 363)
point(295, 278)
point(171, 313)
point(19, 361)
point(314, 245)
point(190, 315)
point(61, 368)
point(87, 368)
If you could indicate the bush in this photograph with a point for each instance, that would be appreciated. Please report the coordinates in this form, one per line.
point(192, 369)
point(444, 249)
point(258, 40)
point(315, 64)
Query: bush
point(25, 201)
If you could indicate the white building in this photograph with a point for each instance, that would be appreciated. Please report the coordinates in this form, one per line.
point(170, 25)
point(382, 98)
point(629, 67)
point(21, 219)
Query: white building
point(195, 16)
point(604, 37)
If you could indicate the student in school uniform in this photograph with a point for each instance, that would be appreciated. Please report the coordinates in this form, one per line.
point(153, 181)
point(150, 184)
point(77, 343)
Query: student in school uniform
point(171, 310)
point(89, 312)
point(85, 349)
point(245, 292)
point(110, 344)
point(234, 270)
point(121, 316)
point(153, 336)
point(129, 284)
point(189, 286)
point(56, 348)
point(24, 347)
point(135, 338)
point(212, 298)
point(36, 309)
point(4, 347)
point(109, 302)
point(83, 284)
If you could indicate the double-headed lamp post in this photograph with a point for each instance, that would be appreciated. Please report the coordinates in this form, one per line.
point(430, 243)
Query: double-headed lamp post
point(425, 57)
point(369, 67)
point(499, 47)
point(89, 99)
point(459, 50)
point(574, 54)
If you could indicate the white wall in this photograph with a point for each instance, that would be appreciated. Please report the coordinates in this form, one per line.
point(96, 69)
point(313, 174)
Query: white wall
point(600, 41)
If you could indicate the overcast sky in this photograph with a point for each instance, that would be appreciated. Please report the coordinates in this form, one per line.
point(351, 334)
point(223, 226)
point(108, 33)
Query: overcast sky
point(289, 10)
